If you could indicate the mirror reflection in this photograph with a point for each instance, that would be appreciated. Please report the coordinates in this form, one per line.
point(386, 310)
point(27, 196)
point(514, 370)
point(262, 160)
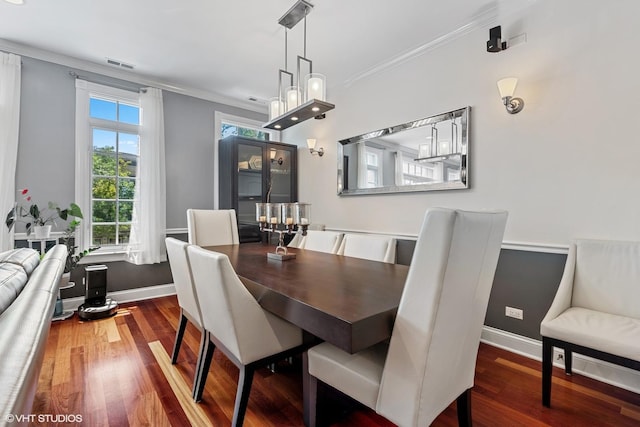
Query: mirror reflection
point(422, 155)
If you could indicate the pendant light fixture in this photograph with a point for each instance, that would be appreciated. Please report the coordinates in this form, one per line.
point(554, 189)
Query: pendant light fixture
point(306, 98)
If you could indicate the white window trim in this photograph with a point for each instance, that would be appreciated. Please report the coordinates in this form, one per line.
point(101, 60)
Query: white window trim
point(84, 151)
point(378, 169)
point(219, 118)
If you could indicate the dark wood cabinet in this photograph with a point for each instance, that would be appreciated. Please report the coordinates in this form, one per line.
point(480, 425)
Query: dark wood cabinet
point(253, 171)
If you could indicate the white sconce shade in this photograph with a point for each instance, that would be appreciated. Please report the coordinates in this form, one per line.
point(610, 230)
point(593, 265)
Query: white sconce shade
point(507, 86)
point(316, 87)
point(293, 97)
point(311, 144)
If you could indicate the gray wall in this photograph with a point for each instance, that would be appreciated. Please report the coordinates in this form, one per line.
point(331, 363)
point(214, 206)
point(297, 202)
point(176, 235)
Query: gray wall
point(46, 155)
point(525, 280)
point(189, 138)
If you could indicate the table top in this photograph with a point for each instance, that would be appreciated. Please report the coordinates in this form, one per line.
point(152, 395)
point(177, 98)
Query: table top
point(349, 302)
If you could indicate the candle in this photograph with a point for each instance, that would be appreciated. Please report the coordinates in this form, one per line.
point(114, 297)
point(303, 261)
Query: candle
point(274, 220)
point(289, 221)
point(262, 218)
point(304, 221)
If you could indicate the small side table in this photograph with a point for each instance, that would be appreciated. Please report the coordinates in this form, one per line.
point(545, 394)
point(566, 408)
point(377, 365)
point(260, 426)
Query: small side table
point(42, 243)
point(59, 313)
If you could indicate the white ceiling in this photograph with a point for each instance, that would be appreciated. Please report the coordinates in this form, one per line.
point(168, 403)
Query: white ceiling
point(232, 49)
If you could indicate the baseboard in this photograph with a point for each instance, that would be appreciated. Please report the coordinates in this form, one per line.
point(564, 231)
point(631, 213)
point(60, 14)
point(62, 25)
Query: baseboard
point(606, 372)
point(128, 295)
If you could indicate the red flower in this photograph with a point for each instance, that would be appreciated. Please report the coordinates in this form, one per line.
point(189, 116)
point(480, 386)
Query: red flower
point(24, 191)
point(28, 199)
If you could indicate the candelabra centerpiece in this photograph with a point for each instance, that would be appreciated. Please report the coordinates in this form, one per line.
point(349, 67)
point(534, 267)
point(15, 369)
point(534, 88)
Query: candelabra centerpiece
point(283, 218)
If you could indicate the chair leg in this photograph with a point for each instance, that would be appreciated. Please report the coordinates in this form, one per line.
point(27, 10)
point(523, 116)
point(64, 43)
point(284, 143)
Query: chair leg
point(182, 324)
point(547, 366)
point(242, 395)
point(568, 361)
point(201, 356)
point(312, 401)
point(463, 403)
point(204, 369)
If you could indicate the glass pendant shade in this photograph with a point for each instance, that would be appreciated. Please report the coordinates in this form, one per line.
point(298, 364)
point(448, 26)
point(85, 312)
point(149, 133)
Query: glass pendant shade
point(276, 108)
point(315, 87)
point(293, 97)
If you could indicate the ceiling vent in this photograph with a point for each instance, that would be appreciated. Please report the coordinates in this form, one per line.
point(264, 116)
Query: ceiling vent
point(119, 64)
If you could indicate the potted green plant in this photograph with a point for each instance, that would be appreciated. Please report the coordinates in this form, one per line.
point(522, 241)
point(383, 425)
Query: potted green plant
point(37, 219)
point(73, 255)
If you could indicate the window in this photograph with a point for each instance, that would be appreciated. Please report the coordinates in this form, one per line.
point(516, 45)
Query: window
point(374, 167)
point(107, 128)
point(228, 129)
point(417, 173)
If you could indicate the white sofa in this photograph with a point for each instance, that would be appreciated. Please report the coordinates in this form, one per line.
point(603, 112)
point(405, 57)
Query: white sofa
point(596, 310)
point(28, 291)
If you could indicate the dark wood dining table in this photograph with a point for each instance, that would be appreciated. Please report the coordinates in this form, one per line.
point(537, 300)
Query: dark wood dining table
point(349, 302)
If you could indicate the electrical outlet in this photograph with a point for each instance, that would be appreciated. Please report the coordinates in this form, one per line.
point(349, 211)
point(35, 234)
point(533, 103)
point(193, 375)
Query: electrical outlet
point(516, 313)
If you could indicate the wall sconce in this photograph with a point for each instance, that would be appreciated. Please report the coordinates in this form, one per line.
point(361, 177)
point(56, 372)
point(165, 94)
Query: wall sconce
point(311, 143)
point(507, 87)
point(272, 156)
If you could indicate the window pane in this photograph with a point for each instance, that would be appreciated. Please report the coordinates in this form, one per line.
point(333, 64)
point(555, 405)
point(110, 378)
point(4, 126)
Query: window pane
point(128, 114)
point(103, 235)
point(228, 130)
point(128, 143)
point(104, 211)
point(104, 140)
point(104, 163)
point(102, 109)
point(104, 188)
point(123, 233)
point(125, 210)
point(127, 188)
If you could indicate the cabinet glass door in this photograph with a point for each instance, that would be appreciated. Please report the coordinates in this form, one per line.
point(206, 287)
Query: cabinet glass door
point(281, 182)
point(249, 188)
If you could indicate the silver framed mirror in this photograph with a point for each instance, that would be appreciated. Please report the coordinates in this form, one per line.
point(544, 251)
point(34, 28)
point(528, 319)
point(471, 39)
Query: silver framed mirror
point(422, 155)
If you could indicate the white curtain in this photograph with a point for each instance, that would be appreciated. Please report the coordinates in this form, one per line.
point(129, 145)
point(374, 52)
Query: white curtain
point(399, 175)
point(362, 165)
point(10, 66)
point(146, 242)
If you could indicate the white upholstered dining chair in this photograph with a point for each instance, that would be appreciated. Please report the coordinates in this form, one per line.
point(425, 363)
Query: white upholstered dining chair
point(185, 291)
point(322, 241)
point(209, 227)
point(296, 242)
point(248, 335)
point(368, 246)
point(430, 360)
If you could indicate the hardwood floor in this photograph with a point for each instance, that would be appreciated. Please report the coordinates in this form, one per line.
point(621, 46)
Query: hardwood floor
point(117, 372)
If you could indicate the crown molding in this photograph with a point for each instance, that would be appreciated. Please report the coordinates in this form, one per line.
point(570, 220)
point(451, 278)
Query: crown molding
point(92, 67)
point(500, 9)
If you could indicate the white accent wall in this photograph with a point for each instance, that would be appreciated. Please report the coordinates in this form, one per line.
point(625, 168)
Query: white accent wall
point(566, 166)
